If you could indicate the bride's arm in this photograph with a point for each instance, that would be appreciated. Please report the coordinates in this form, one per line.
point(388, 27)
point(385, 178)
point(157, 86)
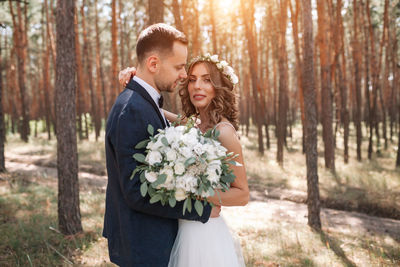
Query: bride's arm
point(172, 117)
point(238, 194)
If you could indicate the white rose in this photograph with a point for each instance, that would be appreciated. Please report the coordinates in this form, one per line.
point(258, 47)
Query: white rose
point(179, 168)
point(214, 58)
point(198, 149)
point(234, 79)
point(180, 194)
point(186, 152)
point(154, 157)
point(171, 155)
point(224, 63)
point(150, 176)
point(219, 66)
point(170, 177)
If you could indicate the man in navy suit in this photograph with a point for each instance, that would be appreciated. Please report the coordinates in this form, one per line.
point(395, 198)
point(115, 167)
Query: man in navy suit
point(140, 233)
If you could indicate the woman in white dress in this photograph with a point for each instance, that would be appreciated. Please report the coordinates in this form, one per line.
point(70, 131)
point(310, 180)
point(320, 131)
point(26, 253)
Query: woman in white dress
point(209, 94)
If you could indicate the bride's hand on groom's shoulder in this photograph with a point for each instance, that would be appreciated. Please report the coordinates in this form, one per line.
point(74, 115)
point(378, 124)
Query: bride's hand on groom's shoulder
point(125, 75)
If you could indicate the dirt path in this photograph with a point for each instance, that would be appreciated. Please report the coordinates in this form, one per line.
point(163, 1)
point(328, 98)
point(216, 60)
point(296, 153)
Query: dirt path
point(260, 209)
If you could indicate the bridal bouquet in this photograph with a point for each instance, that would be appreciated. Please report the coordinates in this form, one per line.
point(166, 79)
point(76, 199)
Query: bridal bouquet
point(181, 163)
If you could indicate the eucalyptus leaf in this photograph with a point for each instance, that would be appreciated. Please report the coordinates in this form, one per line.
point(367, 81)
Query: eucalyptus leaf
point(164, 141)
point(185, 205)
point(161, 178)
point(150, 129)
point(198, 207)
point(189, 204)
point(172, 202)
point(139, 158)
point(143, 189)
point(142, 177)
point(142, 144)
point(155, 198)
point(190, 161)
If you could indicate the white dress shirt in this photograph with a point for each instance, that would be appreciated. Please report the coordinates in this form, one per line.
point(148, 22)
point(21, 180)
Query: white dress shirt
point(151, 91)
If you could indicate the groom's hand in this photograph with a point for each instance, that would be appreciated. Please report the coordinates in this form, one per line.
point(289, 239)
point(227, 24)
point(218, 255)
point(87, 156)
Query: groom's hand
point(125, 75)
point(215, 212)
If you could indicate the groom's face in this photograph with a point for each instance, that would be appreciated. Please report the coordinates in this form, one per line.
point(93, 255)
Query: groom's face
point(172, 69)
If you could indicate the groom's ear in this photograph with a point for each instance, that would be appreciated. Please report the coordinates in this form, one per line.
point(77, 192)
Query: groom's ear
point(153, 63)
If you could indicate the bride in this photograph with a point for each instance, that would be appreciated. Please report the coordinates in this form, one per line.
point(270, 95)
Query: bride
point(208, 93)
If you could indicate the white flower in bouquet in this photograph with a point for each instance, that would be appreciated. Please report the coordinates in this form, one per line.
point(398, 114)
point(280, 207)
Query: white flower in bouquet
point(180, 194)
point(179, 168)
point(154, 157)
point(151, 176)
point(171, 154)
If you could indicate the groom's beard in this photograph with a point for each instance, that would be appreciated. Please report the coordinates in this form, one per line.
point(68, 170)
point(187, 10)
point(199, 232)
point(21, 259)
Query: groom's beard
point(170, 88)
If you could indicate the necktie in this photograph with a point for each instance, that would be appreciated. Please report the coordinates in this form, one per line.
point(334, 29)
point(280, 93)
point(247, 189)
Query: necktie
point(160, 101)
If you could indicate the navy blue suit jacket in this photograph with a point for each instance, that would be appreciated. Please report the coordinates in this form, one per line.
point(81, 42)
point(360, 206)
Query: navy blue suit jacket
point(138, 233)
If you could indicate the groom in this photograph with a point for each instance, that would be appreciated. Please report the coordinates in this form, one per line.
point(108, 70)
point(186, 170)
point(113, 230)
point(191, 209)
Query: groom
point(140, 233)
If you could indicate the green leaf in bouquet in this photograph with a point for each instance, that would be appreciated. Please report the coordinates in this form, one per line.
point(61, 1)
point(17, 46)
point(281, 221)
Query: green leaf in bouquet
point(161, 178)
point(208, 133)
point(211, 191)
point(150, 129)
point(230, 154)
point(139, 158)
point(134, 172)
point(143, 189)
point(151, 191)
point(198, 207)
point(216, 134)
point(142, 177)
point(190, 161)
point(164, 141)
point(155, 198)
point(172, 201)
point(189, 204)
point(185, 205)
point(234, 163)
point(142, 144)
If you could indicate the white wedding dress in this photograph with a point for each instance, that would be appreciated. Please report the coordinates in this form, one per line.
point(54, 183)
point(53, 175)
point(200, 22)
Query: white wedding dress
point(205, 245)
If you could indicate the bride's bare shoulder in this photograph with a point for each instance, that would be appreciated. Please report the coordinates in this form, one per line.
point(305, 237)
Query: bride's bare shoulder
point(228, 135)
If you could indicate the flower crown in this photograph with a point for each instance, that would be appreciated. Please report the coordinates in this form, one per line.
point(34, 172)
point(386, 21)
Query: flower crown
point(221, 65)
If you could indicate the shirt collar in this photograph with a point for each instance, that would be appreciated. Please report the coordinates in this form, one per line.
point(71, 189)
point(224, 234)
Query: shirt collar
point(150, 89)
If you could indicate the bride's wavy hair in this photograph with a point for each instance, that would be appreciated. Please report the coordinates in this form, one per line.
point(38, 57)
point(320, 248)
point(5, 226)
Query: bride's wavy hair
point(224, 104)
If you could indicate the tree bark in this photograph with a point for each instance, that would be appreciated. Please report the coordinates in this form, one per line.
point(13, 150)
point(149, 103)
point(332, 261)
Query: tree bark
point(20, 44)
point(81, 86)
point(69, 216)
point(156, 11)
point(283, 81)
point(253, 68)
point(100, 85)
point(114, 52)
point(326, 90)
point(2, 126)
point(313, 202)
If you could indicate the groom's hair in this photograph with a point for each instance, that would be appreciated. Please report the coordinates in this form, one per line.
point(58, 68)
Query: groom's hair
point(158, 37)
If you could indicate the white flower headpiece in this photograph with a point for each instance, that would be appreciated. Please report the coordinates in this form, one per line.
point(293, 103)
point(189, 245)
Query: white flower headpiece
point(221, 65)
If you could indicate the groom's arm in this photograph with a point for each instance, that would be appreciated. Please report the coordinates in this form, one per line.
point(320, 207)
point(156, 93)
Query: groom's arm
point(131, 129)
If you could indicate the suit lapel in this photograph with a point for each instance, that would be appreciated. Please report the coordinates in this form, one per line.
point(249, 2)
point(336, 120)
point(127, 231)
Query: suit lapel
point(134, 86)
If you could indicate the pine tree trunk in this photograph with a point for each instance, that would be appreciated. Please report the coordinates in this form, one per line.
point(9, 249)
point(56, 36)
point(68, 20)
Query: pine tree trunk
point(20, 44)
point(79, 76)
point(2, 126)
point(156, 11)
point(313, 202)
point(252, 48)
point(114, 53)
point(283, 82)
point(326, 90)
point(69, 216)
point(46, 73)
point(100, 85)
point(89, 77)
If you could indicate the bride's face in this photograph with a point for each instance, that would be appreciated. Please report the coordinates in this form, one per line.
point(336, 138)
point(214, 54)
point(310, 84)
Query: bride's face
point(201, 90)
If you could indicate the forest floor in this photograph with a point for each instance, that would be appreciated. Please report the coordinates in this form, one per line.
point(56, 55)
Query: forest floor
point(272, 228)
